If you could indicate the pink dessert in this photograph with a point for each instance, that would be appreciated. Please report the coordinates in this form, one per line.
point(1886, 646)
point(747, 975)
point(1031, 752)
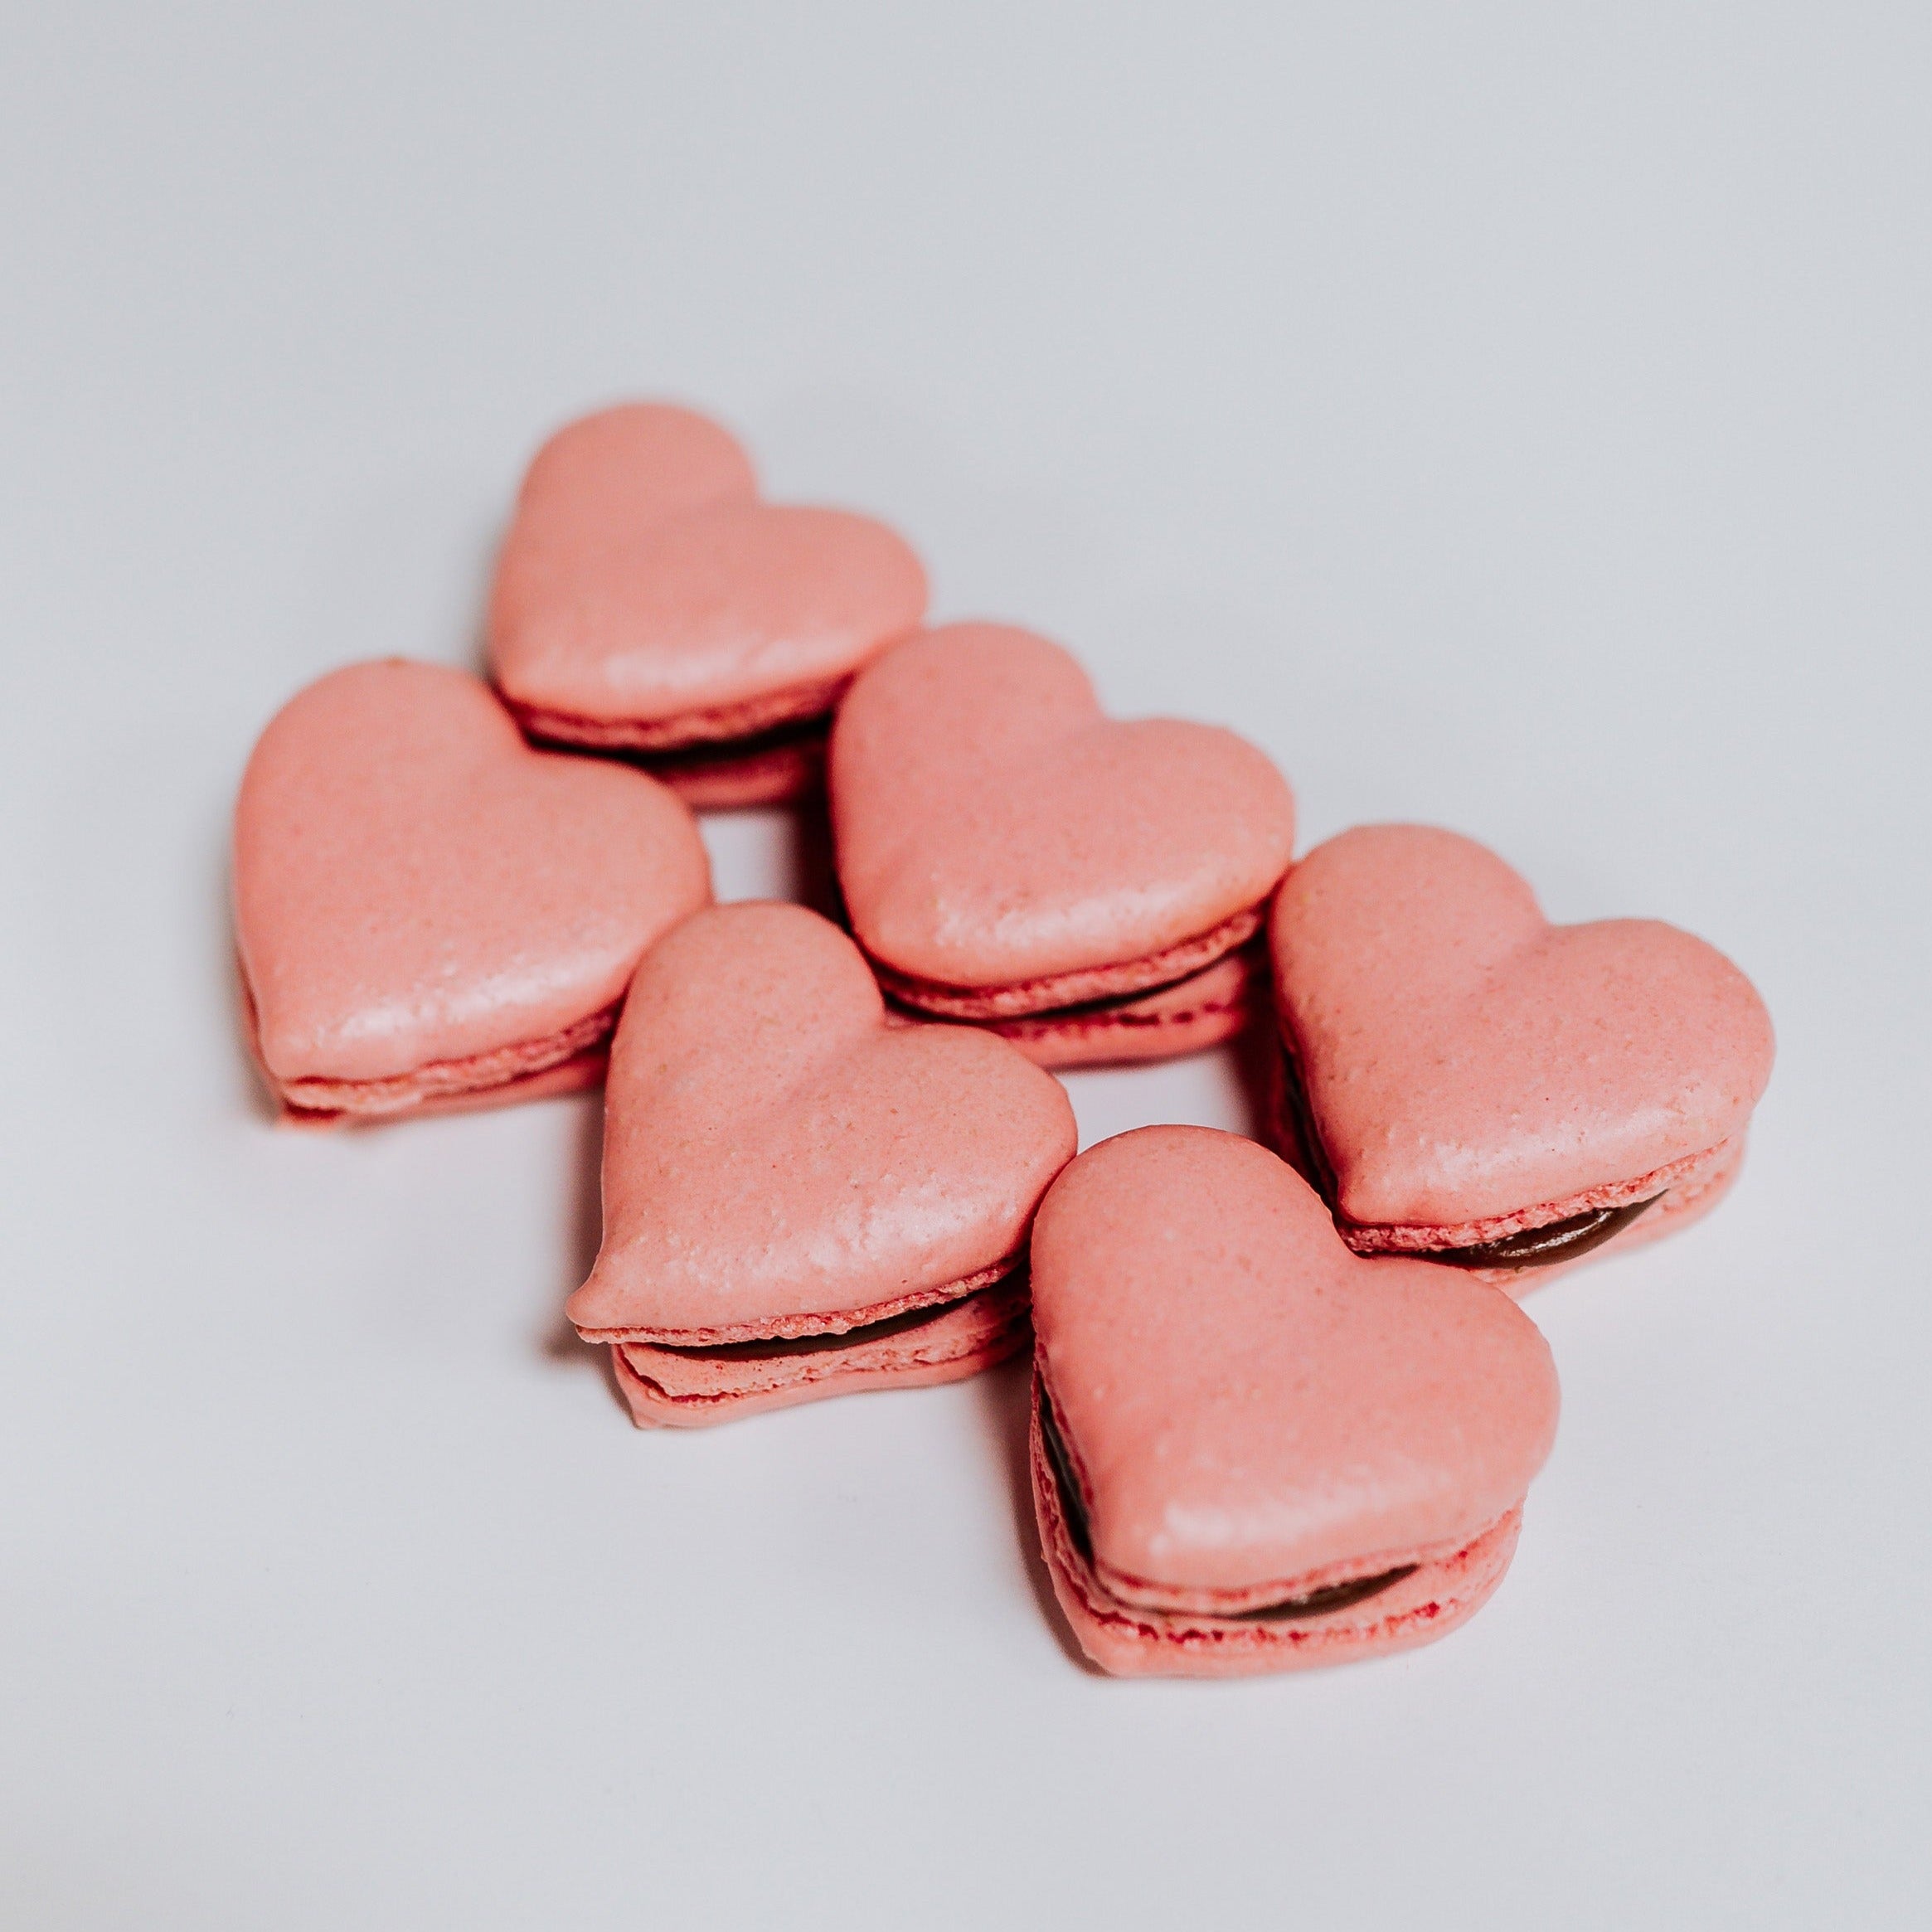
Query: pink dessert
point(431, 915)
point(1253, 1450)
point(647, 602)
point(1011, 857)
point(800, 1198)
point(1467, 1082)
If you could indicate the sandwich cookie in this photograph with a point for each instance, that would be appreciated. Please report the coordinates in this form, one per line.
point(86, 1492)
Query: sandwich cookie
point(1012, 858)
point(1466, 1082)
point(431, 915)
point(647, 602)
point(801, 1199)
point(1251, 1450)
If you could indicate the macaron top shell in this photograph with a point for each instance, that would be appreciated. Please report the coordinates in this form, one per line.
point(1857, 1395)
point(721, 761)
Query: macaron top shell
point(642, 578)
point(994, 826)
point(1463, 1058)
point(414, 884)
point(1251, 1402)
point(776, 1153)
point(589, 493)
point(600, 479)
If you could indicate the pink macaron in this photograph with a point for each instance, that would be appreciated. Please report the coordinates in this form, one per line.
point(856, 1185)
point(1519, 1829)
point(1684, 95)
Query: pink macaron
point(647, 600)
point(1251, 1450)
point(1012, 858)
point(800, 1198)
point(1466, 1082)
point(431, 915)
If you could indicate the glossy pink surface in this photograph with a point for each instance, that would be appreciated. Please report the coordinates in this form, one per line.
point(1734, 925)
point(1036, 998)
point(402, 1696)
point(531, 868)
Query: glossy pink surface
point(993, 826)
point(775, 1154)
point(413, 884)
point(1465, 1061)
point(643, 581)
point(1255, 1411)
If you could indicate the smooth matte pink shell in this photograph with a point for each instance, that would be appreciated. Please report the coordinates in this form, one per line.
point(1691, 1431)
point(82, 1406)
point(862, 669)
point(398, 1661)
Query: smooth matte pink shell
point(414, 885)
point(780, 1160)
point(1465, 1061)
point(992, 826)
point(642, 583)
point(1255, 1411)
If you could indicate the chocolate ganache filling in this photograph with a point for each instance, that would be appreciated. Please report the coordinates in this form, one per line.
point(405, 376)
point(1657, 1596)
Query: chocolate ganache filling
point(1557, 1240)
point(764, 1348)
point(1315, 1602)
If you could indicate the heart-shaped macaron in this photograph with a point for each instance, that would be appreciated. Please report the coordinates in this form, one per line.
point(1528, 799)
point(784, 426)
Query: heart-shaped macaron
point(1480, 1086)
point(801, 1198)
point(1252, 1449)
point(646, 599)
point(430, 913)
point(1005, 849)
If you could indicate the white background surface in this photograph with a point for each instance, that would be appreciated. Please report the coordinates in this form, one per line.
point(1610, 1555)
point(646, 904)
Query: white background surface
point(1515, 417)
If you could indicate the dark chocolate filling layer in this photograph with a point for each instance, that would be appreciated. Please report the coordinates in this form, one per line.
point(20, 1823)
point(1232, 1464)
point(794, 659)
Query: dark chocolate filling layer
point(1557, 1240)
point(1296, 1113)
point(1072, 1510)
point(765, 1347)
point(1315, 1602)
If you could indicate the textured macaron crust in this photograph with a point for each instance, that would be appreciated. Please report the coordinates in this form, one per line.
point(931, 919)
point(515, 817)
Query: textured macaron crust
point(647, 600)
point(1253, 1449)
point(1005, 849)
point(428, 912)
point(1467, 1073)
point(781, 1163)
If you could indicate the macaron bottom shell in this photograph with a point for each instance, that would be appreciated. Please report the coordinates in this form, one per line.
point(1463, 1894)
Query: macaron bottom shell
point(669, 1386)
point(777, 768)
point(1206, 1009)
point(765, 751)
point(1427, 1602)
point(1109, 1015)
point(1079, 988)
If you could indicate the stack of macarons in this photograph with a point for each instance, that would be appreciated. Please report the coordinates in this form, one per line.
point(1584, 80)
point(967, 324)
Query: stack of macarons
point(1285, 1406)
